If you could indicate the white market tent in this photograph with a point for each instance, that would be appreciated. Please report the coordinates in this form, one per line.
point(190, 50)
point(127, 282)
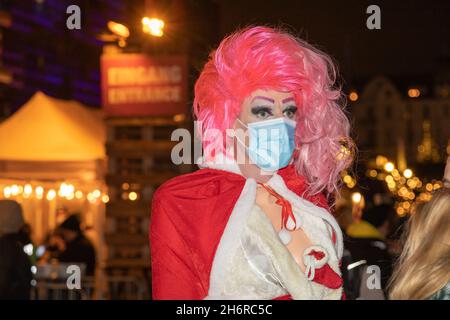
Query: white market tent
point(49, 129)
point(46, 143)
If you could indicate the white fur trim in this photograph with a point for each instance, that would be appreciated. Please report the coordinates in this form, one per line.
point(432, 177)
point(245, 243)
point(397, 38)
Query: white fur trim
point(230, 241)
point(221, 162)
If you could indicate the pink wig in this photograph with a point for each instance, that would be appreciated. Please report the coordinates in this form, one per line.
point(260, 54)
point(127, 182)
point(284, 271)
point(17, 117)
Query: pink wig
point(269, 59)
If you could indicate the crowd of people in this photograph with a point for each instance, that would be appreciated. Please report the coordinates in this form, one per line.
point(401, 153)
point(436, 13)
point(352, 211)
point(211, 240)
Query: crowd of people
point(20, 260)
point(413, 255)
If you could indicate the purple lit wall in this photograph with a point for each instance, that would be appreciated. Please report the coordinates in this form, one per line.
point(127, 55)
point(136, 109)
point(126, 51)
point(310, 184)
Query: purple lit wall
point(42, 54)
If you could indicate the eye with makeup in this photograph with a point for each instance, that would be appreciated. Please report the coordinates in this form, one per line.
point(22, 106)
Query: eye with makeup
point(290, 112)
point(262, 112)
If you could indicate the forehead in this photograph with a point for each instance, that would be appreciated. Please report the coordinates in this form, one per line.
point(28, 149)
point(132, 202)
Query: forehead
point(270, 95)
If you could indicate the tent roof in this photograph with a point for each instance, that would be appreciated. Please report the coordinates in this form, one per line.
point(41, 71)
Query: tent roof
point(50, 129)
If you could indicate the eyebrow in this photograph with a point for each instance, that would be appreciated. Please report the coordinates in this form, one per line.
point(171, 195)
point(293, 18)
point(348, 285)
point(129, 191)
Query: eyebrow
point(287, 100)
point(263, 98)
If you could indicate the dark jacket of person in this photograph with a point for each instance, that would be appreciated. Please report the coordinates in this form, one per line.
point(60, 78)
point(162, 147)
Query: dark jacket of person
point(15, 269)
point(364, 243)
point(79, 250)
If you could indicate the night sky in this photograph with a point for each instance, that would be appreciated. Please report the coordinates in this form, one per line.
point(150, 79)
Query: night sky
point(414, 35)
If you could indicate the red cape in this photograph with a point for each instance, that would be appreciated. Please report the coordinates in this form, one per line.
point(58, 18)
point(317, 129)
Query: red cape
point(189, 215)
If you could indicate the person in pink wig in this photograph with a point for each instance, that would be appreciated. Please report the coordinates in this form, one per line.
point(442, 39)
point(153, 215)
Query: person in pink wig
point(254, 222)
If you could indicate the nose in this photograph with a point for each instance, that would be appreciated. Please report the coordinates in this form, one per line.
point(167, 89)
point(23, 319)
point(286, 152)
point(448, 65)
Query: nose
point(278, 110)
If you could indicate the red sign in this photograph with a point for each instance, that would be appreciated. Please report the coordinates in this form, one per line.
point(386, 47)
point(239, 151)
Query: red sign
point(142, 85)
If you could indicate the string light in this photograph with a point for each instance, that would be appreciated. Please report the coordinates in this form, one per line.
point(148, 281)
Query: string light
point(79, 194)
point(7, 192)
point(27, 190)
point(105, 198)
point(356, 197)
point(63, 190)
point(39, 192)
point(408, 173)
point(406, 187)
point(389, 166)
point(15, 190)
point(353, 96)
point(132, 196)
point(51, 194)
point(97, 193)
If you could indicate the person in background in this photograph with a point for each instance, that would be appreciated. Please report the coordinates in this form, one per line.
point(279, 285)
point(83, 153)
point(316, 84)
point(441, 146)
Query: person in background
point(351, 269)
point(15, 265)
point(62, 213)
point(366, 238)
point(423, 269)
point(73, 246)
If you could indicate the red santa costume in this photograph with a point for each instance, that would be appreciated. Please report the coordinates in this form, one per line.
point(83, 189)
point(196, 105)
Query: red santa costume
point(200, 234)
point(209, 238)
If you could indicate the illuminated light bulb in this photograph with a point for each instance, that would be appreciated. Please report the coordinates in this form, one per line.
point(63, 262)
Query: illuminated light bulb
point(33, 269)
point(153, 26)
point(118, 29)
point(7, 192)
point(411, 183)
point(389, 178)
point(66, 190)
point(389, 166)
point(353, 96)
point(62, 192)
point(347, 179)
point(70, 188)
point(91, 198)
point(78, 194)
point(429, 187)
point(356, 197)
point(407, 173)
point(28, 189)
point(15, 190)
point(402, 192)
point(39, 192)
point(28, 249)
point(96, 193)
point(373, 173)
point(105, 198)
point(51, 194)
point(179, 117)
point(122, 43)
point(391, 185)
point(133, 196)
point(125, 186)
point(413, 93)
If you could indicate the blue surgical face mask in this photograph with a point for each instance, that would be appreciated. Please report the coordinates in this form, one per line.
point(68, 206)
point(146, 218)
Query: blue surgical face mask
point(271, 143)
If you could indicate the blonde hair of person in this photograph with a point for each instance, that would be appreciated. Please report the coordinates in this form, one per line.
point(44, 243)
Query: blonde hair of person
point(424, 265)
